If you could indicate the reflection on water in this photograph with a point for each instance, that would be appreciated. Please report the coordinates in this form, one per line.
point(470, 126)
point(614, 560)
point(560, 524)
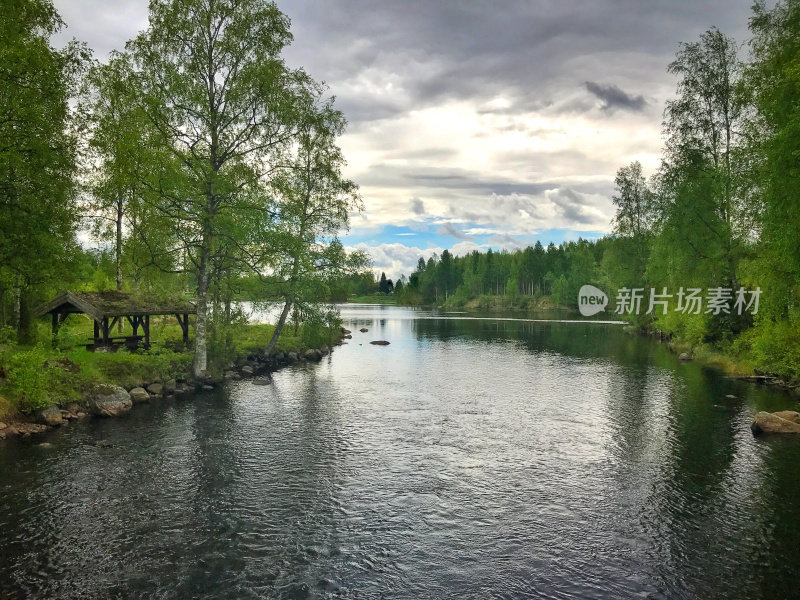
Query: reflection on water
point(471, 458)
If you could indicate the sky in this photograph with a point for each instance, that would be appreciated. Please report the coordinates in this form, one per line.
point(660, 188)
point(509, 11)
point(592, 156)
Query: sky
point(477, 124)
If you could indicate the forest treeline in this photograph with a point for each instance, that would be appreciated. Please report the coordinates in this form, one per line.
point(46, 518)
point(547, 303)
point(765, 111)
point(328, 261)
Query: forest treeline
point(205, 165)
point(721, 215)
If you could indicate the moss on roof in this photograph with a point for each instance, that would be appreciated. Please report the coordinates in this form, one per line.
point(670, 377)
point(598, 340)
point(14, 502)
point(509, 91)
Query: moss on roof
point(115, 304)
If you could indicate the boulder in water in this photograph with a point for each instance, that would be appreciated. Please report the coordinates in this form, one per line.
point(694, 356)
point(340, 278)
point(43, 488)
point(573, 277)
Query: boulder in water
point(789, 415)
point(139, 395)
point(110, 401)
point(155, 389)
point(379, 343)
point(50, 415)
point(684, 356)
point(765, 422)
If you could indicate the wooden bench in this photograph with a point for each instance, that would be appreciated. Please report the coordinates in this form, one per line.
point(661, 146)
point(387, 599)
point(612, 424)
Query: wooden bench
point(132, 342)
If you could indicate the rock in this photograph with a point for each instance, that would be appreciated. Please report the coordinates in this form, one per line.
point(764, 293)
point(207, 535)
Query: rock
point(684, 357)
point(110, 401)
point(292, 357)
point(264, 380)
point(231, 375)
point(50, 415)
point(312, 355)
point(139, 395)
point(155, 389)
point(73, 407)
point(80, 414)
point(363, 330)
point(103, 444)
point(765, 422)
point(789, 415)
point(171, 386)
point(27, 429)
point(323, 350)
point(346, 331)
point(348, 337)
point(247, 371)
point(3, 425)
point(730, 396)
point(379, 343)
point(45, 445)
point(207, 388)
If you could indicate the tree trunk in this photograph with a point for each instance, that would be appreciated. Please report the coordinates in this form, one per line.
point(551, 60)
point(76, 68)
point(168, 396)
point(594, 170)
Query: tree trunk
point(118, 252)
point(278, 327)
point(24, 325)
point(200, 326)
point(118, 249)
point(15, 311)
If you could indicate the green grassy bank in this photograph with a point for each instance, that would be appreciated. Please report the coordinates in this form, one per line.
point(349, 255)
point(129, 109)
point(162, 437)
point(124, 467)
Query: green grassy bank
point(38, 375)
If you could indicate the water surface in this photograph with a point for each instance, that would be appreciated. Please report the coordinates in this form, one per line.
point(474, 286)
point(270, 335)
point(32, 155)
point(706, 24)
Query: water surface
point(471, 458)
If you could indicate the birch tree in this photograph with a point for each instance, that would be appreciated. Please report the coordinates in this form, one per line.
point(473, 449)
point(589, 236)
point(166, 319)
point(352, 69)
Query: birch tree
point(315, 201)
point(219, 97)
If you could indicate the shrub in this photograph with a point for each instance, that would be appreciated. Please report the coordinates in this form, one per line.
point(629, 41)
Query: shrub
point(32, 379)
point(8, 335)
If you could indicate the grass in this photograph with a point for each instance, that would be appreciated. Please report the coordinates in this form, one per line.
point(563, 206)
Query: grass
point(39, 375)
point(724, 361)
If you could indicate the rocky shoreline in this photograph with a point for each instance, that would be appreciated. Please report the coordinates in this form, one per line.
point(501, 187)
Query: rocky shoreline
point(110, 400)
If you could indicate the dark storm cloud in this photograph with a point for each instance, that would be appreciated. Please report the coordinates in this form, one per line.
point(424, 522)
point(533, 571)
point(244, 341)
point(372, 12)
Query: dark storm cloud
point(386, 58)
point(459, 181)
point(613, 97)
point(572, 206)
point(417, 206)
point(453, 231)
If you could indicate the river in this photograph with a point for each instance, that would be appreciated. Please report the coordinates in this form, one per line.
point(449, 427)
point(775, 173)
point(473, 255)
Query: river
point(470, 458)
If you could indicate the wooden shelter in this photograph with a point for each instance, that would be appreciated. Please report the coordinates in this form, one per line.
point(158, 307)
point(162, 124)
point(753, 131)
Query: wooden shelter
point(107, 308)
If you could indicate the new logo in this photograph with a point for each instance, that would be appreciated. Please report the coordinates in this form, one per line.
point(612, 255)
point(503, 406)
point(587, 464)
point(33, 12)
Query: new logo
point(591, 300)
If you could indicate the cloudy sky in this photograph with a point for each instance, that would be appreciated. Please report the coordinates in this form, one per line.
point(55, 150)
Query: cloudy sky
point(477, 124)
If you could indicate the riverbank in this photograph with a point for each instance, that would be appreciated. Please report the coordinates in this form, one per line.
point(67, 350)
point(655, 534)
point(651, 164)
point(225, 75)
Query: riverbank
point(373, 299)
point(731, 361)
point(42, 387)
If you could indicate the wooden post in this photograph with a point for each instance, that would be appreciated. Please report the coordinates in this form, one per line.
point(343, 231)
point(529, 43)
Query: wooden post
point(55, 327)
point(147, 331)
point(105, 331)
point(96, 332)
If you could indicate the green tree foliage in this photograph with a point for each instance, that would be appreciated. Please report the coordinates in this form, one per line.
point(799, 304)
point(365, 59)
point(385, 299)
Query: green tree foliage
point(774, 83)
point(315, 202)
point(38, 211)
point(558, 271)
point(220, 98)
point(383, 284)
